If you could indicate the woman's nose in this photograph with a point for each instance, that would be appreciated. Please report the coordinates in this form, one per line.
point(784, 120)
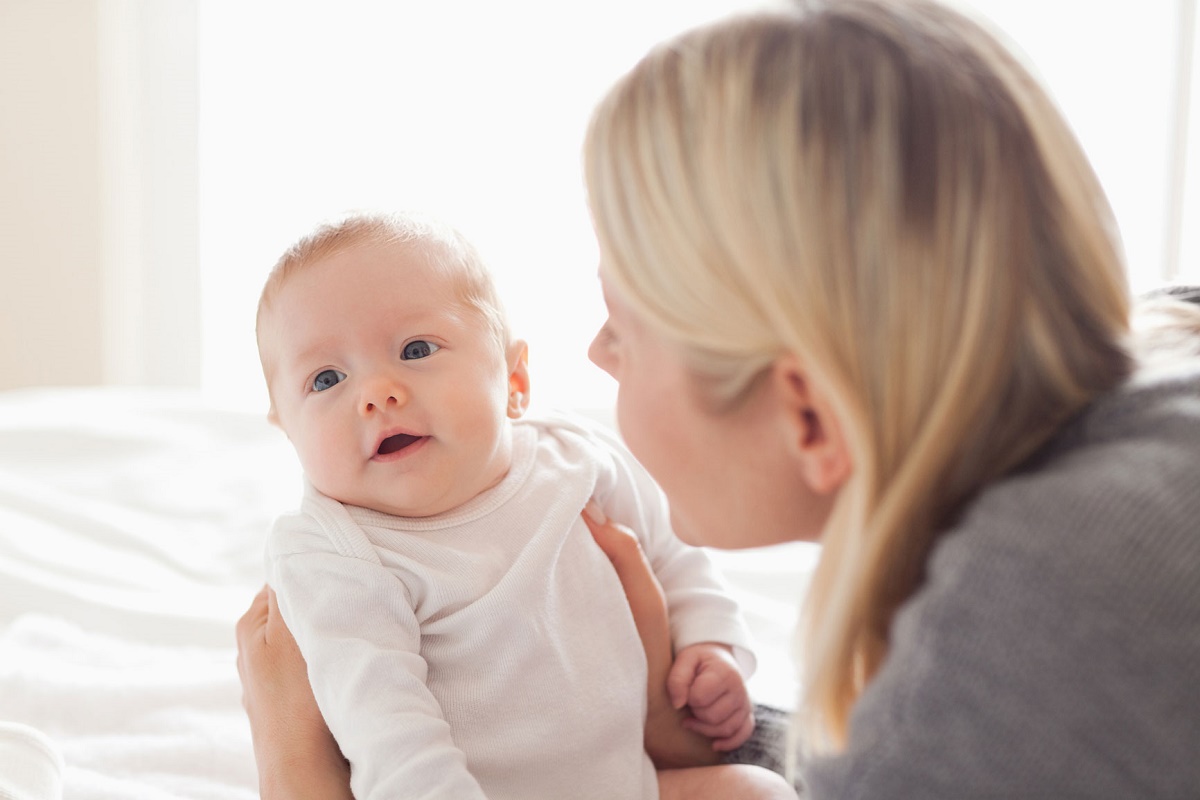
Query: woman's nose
point(381, 393)
point(600, 354)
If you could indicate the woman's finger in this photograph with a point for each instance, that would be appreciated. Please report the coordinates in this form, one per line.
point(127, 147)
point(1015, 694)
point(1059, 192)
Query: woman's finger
point(667, 741)
point(647, 602)
point(254, 617)
point(248, 632)
point(277, 632)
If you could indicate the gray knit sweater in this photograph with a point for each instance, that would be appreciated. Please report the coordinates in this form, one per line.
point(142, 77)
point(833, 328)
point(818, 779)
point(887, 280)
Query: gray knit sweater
point(1054, 650)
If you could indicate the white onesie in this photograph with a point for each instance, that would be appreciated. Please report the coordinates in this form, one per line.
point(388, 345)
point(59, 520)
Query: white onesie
point(489, 651)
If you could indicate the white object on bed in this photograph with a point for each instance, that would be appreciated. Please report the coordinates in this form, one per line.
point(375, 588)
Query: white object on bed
point(30, 764)
point(132, 523)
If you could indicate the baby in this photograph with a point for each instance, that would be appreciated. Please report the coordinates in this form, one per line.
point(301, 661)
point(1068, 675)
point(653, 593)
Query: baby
point(465, 637)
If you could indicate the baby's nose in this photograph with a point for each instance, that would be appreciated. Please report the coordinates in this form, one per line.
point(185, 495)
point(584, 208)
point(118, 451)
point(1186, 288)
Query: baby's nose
point(382, 393)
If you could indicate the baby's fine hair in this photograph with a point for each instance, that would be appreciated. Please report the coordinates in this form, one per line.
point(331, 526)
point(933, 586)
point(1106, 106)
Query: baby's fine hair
point(445, 247)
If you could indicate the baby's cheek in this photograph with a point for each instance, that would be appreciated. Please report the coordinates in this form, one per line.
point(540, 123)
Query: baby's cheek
point(322, 467)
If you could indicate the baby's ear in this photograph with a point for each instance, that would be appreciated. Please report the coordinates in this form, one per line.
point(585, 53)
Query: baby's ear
point(518, 379)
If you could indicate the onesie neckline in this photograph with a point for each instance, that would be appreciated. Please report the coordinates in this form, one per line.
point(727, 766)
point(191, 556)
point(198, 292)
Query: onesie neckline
point(524, 444)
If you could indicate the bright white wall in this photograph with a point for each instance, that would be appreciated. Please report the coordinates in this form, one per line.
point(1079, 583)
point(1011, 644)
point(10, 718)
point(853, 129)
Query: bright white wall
point(471, 110)
point(1112, 66)
point(476, 110)
point(156, 155)
point(1188, 174)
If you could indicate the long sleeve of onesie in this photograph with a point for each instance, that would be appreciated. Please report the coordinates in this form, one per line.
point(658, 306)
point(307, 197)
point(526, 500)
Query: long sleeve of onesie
point(361, 638)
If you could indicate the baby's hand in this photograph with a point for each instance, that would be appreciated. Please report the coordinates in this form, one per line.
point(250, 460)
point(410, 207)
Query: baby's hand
point(705, 677)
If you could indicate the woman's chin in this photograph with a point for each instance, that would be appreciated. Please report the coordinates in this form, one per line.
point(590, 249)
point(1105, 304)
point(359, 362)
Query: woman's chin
point(703, 536)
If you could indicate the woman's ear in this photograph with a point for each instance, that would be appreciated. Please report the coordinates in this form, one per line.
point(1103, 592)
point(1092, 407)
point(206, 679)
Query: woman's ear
point(518, 379)
point(814, 431)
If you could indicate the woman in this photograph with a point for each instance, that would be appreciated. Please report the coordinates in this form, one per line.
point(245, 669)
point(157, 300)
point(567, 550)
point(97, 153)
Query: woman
point(865, 288)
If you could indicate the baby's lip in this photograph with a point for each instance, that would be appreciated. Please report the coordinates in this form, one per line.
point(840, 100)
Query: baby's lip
point(394, 441)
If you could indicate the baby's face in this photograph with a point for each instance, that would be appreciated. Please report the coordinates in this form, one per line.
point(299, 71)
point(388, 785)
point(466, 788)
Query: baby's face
point(393, 391)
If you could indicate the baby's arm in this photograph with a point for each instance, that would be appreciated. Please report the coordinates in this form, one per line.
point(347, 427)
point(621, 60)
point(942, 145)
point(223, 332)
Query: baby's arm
point(706, 678)
point(712, 653)
point(355, 627)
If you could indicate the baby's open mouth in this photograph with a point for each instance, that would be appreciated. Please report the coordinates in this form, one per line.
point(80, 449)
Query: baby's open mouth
point(398, 442)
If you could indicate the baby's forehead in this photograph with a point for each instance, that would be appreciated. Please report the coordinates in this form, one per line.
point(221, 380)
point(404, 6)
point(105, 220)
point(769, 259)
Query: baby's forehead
point(396, 278)
point(416, 263)
point(368, 269)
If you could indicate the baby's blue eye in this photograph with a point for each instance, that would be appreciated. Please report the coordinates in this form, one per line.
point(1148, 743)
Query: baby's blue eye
point(418, 348)
point(327, 378)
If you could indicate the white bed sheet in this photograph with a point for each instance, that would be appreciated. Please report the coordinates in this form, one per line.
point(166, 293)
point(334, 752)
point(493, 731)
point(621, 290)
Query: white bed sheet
point(132, 524)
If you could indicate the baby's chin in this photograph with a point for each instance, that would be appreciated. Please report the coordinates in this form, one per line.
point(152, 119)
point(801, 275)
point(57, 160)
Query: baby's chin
point(426, 490)
point(420, 509)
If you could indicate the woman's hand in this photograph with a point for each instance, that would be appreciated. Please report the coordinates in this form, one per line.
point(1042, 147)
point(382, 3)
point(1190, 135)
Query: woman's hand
point(668, 742)
point(296, 754)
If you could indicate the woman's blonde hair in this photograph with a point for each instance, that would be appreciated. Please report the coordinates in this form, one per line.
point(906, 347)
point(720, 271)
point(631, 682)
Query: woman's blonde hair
point(883, 190)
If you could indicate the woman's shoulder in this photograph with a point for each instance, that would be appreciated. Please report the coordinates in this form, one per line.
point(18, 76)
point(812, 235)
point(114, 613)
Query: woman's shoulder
point(1132, 456)
point(1054, 646)
point(1115, 496)
point(1088, 561)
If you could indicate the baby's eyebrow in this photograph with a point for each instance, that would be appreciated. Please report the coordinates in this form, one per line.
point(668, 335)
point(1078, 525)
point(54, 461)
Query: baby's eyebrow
point(298, 359)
